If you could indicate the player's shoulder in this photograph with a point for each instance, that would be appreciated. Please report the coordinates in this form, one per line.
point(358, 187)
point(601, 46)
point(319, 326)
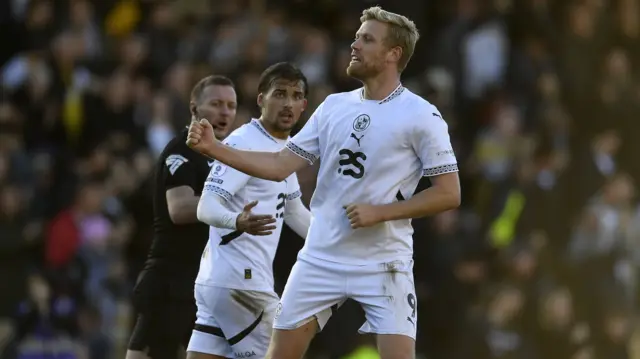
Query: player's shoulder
point(414, 102)
point(418, 108)
point(177, 148)
point(241, 138)
point(342, 98)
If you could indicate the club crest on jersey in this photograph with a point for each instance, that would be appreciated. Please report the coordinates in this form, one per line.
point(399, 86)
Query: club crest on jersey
point(218, 169)
point(361, 123)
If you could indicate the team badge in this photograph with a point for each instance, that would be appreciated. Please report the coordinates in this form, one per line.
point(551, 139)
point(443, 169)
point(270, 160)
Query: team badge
point(218, 169)
point(278, 310)
point(361, 123)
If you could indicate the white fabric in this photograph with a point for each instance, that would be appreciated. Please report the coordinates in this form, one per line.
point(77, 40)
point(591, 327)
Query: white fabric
point(372, 152)
point(233, 312)
point(297, 217)
point(246, 262)
point(211, 210)
point(385, 291)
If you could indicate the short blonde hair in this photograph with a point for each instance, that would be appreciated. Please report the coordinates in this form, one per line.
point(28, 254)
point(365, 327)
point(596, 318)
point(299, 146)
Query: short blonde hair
point(402, 32)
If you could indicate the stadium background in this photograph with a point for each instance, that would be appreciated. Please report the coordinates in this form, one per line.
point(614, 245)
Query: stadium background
point(541, 96)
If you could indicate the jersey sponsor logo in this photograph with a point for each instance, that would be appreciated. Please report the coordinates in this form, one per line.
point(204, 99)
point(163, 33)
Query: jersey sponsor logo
point(246, 354)
point(174, 162)
point(446, 152)
point(218, 170)
point(351, 163)
point(361, 123)
point(215, 180)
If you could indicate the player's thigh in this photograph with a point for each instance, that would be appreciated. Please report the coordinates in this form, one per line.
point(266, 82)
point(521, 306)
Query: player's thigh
point(252, 338)
point(233, 323)
point(394, 346)
point(387, 296)
point(312, 291)
point(207, 338)
point(293, 343)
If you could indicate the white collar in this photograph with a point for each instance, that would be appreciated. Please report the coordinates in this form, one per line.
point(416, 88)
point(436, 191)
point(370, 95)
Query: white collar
point(391, 96)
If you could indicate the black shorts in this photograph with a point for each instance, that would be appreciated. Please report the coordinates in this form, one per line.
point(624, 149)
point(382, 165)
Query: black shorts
point(166, 315)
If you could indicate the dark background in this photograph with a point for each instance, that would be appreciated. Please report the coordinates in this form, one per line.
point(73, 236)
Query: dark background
point(541, 96)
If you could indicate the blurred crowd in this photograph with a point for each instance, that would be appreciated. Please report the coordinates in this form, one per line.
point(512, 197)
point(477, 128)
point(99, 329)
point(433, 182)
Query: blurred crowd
point(542, 98)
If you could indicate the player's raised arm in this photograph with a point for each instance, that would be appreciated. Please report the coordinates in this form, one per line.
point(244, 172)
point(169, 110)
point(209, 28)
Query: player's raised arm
point(273, 166)
point(301, 150)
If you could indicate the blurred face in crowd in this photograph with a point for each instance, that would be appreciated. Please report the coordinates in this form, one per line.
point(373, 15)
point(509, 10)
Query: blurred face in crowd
point(90, 198)
point(369, 53)
point(10, 202)
point(282, 106)
point(620, 190)
point(608, 143)
point(218, 105)
point(616, 327)
point(558, 308)
point(505, 306)
point(39, 290)
point(618, 64)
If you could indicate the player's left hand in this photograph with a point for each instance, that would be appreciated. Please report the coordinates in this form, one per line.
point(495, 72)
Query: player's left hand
point(363, 215)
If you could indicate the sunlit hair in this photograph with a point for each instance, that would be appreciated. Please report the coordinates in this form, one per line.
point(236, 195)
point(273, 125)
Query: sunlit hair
point(402, 32)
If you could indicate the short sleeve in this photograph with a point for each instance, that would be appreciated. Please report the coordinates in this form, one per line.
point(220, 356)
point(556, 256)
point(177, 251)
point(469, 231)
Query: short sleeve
point(224, 181)
point(178, 170)
point(433, 146)
point(293, 187)
point(306, 143)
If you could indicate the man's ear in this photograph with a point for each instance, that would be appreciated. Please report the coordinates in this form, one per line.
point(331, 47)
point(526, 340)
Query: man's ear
point(260, 100)
point(194, 109)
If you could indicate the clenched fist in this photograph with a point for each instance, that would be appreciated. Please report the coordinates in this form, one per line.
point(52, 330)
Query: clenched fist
point(363, 215)
point(200, 135)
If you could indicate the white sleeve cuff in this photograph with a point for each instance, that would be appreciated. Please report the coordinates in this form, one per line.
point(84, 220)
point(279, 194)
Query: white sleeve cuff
point(440, 170)
point(310, 157)
point(212, 211)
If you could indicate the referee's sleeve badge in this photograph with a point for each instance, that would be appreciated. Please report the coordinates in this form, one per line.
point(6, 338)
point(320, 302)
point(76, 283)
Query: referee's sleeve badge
point(174, 162)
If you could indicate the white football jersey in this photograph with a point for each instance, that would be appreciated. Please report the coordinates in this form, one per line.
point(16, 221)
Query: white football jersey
point(371, 152)
point(233, 259)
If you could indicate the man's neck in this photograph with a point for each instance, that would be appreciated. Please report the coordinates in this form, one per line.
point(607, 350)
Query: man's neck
point(380, 87)
point(282, 135)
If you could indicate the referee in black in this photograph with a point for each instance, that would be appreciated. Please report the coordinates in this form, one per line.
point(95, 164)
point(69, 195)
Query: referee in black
point(163, 295)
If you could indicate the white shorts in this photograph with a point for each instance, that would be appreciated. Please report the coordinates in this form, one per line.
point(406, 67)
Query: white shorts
point(317, 288)
point(233, 323)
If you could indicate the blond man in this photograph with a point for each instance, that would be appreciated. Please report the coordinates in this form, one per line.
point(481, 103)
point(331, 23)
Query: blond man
point(374, 143)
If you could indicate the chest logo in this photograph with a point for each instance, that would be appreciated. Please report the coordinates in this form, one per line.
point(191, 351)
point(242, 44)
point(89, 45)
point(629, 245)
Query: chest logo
point(361, 123)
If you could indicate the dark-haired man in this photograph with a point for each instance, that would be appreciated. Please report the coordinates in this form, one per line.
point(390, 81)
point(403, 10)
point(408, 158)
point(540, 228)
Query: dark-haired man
point(163, 296)
point(234, 288)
